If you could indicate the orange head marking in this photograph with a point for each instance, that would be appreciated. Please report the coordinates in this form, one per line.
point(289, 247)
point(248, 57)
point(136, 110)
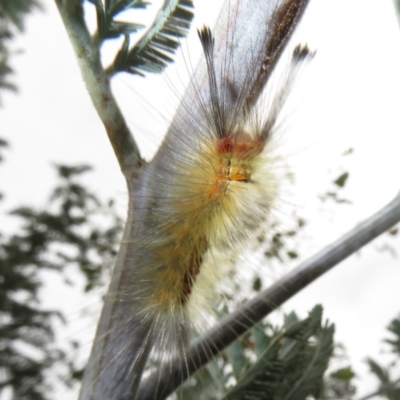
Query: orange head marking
point(236, 151)
point(240, 146)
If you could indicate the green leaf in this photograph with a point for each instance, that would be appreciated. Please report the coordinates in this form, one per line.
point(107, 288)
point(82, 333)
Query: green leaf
point(261, 338)
point(344, 374)
point(394, 327)
point(3, 143)
point(349, 151)
point(257, 284)
point(204, 385)
point(292, 254)
point(236, 357)
point(341, 180)
point(339, 384)
point(380, 372)
point(261, 379)
point(68, 172)
point(310, 383)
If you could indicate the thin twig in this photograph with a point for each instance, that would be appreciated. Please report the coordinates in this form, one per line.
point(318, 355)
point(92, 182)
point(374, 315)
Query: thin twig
point(98, 86)
point(162, 383)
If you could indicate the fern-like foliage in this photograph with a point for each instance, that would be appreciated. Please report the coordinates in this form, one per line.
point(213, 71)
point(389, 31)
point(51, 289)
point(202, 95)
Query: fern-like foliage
point(153, 52)
point(290, 365)
point(293, 364)
point(107, 12)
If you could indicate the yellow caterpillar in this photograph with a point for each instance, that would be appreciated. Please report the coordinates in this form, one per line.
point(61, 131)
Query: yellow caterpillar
point(206, 192)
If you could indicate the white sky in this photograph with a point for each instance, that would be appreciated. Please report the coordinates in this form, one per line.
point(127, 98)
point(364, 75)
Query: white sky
point(348, 98)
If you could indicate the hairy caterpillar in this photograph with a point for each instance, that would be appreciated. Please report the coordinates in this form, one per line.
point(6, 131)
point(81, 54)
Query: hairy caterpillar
point(206, 192)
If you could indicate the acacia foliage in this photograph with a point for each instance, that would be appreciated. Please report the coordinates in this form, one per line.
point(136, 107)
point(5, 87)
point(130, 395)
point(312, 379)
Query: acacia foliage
point(73, 232)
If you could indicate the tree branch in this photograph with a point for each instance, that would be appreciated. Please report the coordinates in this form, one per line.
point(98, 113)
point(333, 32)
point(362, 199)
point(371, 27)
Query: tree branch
point(98, 86)
point(101, 371)
point(162, 383)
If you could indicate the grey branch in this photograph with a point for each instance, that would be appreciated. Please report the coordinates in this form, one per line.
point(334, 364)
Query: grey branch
point(164, 382)
point(98, 86)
